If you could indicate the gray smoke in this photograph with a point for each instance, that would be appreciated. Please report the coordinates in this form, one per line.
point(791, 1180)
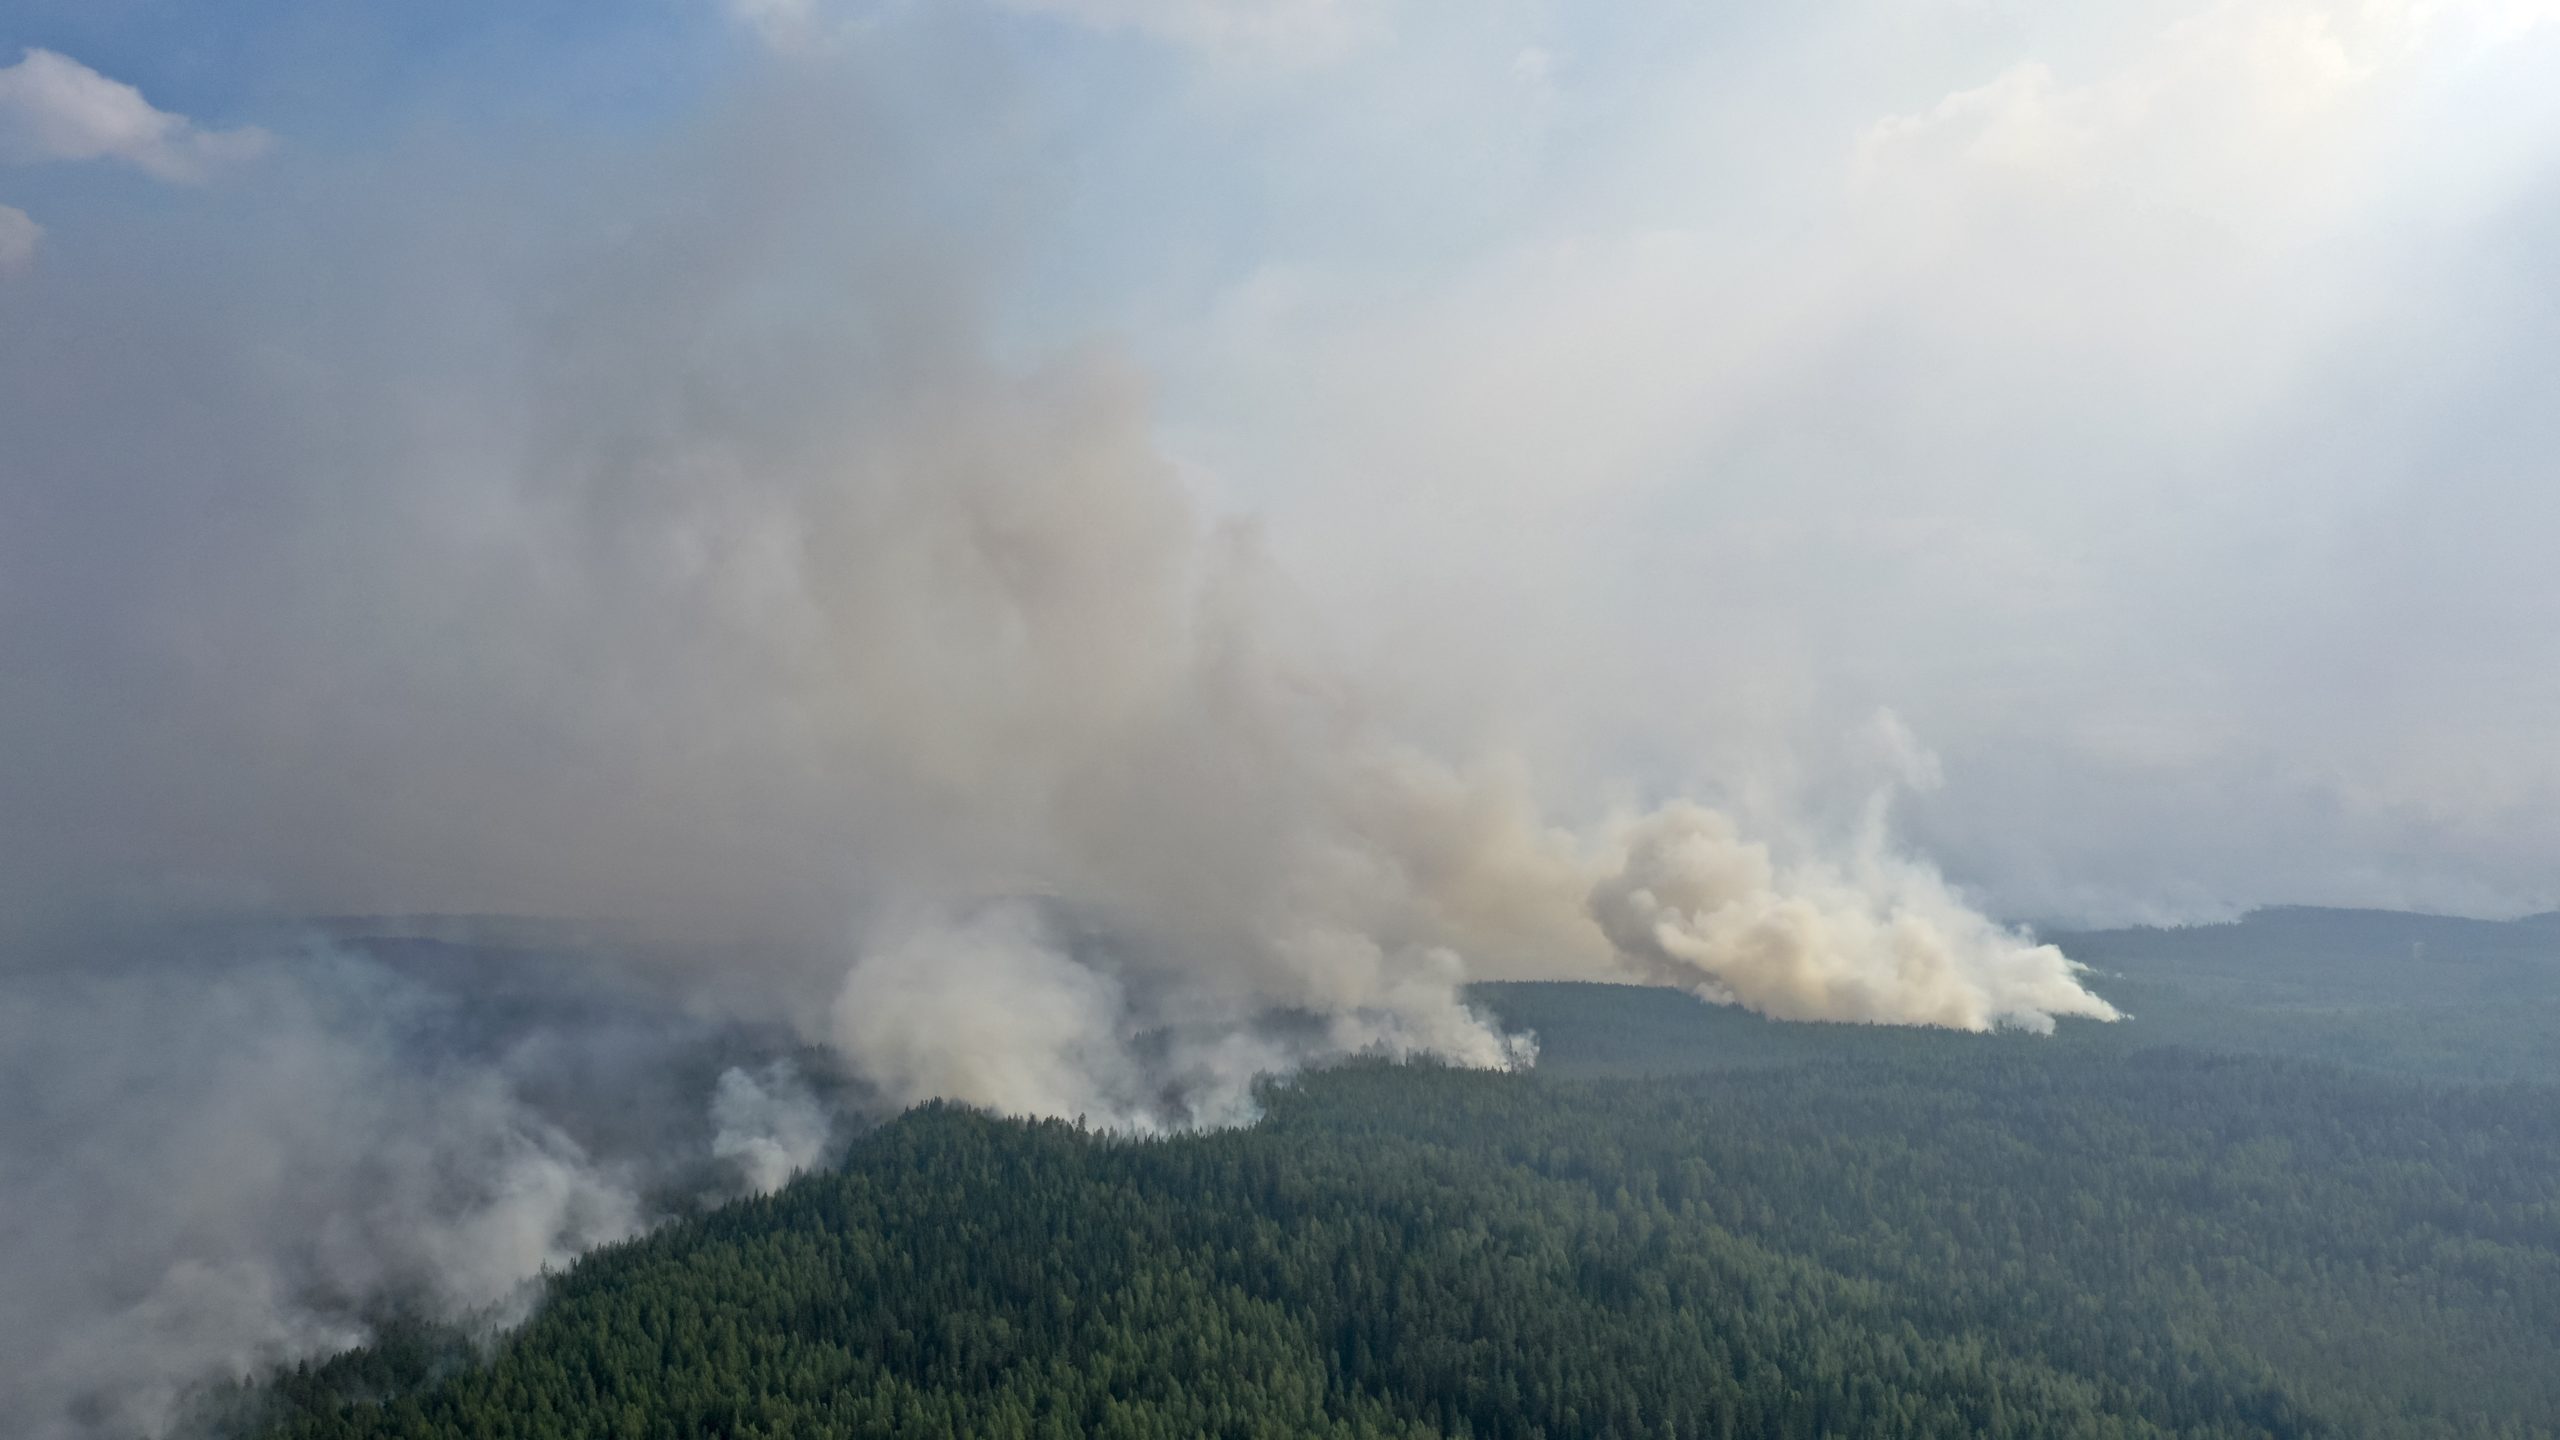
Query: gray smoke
point(673, 547)
point(229, 1150)
point(769, 1124)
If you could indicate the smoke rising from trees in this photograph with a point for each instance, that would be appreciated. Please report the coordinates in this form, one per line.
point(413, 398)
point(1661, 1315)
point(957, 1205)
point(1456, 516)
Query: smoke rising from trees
point(507, 549)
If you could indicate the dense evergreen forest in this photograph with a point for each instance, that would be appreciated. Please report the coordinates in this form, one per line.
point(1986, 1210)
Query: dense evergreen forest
point(2427, 996)
point(1688, 1223)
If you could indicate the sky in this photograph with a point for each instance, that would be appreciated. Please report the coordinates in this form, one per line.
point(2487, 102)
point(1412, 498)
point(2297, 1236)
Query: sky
point(2122, 431)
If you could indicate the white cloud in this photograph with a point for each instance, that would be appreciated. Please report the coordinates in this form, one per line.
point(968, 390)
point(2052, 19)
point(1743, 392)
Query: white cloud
point(1308, 29)
point(1290, 31)
point(19, 236)
point(782, 24)
point(55, 108)
point(2245, 111)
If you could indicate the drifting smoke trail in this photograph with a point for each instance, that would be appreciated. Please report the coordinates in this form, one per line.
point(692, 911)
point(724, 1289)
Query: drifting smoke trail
point(1885, 943)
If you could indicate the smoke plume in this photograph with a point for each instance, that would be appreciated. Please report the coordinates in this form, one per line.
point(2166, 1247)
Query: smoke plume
point(699, 567)
point(1881, 943)
point(230, 1150)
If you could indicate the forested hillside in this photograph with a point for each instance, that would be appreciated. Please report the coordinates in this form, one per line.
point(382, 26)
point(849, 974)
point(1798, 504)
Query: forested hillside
point(1933, 1239)
point(2427, 995)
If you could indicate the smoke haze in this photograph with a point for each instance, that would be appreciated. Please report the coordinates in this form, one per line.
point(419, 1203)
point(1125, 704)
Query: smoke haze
point(616, 592)
point(235, 1149)
point(705, 515)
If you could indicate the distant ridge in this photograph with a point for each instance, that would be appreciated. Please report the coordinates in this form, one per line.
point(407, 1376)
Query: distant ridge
point(2368, 921)
point(2363, 912)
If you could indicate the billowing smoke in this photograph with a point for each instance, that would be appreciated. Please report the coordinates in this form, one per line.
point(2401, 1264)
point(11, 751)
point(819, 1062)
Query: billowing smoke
point(1883, 942)
point(1001, 1010)
point(229, 1150)
point(695, 566)
point(769, 1124)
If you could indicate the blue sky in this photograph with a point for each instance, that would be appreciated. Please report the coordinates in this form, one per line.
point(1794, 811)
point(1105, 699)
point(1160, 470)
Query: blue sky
point(347, 73)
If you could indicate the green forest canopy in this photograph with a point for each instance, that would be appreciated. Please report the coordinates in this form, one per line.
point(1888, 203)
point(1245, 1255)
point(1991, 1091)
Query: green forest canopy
point(1827, 1231)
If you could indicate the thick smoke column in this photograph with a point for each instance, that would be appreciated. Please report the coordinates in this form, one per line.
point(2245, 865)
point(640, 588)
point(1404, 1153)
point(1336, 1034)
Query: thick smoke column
point(899, 695)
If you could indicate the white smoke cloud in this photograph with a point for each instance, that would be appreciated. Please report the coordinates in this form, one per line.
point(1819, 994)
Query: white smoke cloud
point(769, 1124)
point(992, 1013)
point(996, 1009)
point(52, 107)
point(1880, 942)
point(228, 1162)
